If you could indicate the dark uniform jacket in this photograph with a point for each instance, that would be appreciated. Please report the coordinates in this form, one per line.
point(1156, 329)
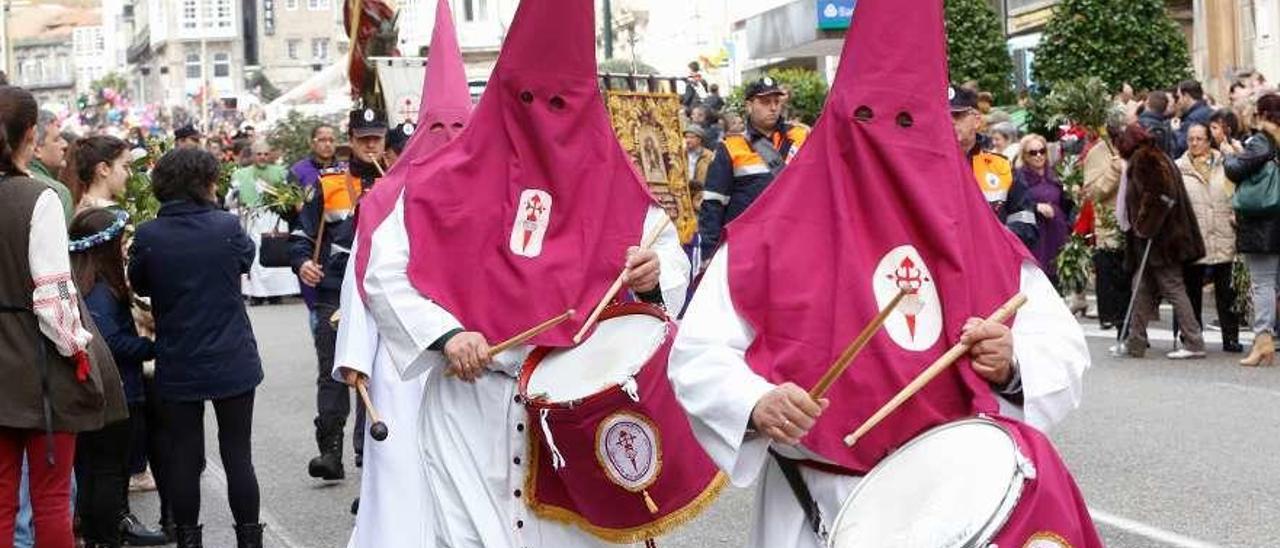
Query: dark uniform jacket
point(738, 175)
point(333, 202)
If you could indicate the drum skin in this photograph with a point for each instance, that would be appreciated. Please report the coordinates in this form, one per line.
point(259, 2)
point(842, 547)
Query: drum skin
point(632, 470)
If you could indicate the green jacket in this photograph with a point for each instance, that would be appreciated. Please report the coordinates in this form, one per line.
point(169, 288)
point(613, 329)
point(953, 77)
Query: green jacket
point(42, 174)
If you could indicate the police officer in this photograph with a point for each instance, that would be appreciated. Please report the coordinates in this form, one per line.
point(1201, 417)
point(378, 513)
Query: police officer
point(746, 163)
point(1006, 195)
point(329, 217)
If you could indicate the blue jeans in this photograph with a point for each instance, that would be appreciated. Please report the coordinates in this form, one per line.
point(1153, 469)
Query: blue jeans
point(1264, 271)
point(23, 535)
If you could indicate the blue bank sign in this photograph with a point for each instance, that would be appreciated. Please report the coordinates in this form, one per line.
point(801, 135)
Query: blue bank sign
point(835, 14)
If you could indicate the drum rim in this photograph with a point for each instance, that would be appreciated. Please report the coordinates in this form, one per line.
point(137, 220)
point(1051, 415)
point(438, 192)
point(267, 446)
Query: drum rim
point(536, 356)
point(1017, 483)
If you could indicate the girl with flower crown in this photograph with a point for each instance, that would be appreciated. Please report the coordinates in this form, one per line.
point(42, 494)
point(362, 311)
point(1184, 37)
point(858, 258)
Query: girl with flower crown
point(102, 456)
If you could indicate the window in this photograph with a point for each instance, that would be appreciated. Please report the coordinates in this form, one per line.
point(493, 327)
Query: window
point(221, 65)
point(320, 49)
point(193, 66)
point(474, 10)
point(317, 5)
point(292, 47)
point(189, 14)
point(221, 14)
point(291, 5)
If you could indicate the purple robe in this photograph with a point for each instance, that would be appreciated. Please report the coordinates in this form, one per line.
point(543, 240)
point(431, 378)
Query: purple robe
point(1046, 189)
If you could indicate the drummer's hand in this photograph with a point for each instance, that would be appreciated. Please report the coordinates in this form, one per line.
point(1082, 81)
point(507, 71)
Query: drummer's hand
point(349, 375)
point(786, 413)
point(641, 274)
point(468, 355)
point(991, 351)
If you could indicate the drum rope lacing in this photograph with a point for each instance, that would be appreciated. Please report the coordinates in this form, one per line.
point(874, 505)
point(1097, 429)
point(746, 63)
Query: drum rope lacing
point(557, 459)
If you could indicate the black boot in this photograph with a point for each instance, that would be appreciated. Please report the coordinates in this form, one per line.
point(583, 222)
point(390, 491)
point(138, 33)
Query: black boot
point(134, 533)
point(190, 536)
point(249, 535)
point(328, 465)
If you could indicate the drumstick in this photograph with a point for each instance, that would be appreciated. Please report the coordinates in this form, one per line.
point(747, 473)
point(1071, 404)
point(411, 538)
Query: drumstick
point(617, 283)
point(530, 333)
point(851, 352)
point(379, 429)
point(524, 337)
point(1000, 315)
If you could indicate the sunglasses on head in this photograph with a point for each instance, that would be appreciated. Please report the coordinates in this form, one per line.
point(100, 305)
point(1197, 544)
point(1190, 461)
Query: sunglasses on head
point(1036, 152)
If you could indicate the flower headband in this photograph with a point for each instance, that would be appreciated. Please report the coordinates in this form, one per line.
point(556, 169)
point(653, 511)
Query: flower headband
point(103, 236)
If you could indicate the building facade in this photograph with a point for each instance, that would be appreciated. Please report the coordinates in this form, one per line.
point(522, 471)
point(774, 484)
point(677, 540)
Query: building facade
point(44, 55)
point(295, 39)
point(187, 52)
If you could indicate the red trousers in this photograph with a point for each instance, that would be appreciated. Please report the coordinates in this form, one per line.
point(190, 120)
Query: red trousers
point(50, 485)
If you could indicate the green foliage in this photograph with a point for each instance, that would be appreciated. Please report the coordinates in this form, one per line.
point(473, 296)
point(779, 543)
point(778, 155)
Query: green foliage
point(226, 170)
point(808, 91)
point(292, 135)
point(1084, 101)
point(1073, 264)
point(139, 200)
point(1243, 285)
point(284, 198)
point(1134, 41)
point(976, 48)
point(265, 89)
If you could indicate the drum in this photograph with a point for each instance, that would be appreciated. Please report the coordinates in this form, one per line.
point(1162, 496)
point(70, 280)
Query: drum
point(954, 486)
point(611, 449)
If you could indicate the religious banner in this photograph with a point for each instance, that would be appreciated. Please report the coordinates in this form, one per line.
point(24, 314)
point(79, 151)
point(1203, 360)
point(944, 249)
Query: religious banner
point(401, 81)
point(648, 126)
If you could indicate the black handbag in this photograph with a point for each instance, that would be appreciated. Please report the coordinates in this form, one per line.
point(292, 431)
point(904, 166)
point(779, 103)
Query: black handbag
point(273, 250)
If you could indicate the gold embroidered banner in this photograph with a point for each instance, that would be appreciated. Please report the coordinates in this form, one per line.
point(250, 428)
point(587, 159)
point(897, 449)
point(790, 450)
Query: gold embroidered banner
point(648, 126)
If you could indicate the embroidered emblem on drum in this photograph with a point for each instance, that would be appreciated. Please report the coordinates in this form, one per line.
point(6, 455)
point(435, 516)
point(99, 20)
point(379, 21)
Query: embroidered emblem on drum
point(533, 215)
point(1045, 539)
point(630, 452)
point(917, 324)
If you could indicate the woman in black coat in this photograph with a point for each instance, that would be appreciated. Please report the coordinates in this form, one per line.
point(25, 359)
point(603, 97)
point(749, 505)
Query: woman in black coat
point(189, 261)
point(1258, 237)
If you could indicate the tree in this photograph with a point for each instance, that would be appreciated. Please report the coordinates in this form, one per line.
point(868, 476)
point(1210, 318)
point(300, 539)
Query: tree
point(976, 48)
point(1134, 41)
point(292, 135)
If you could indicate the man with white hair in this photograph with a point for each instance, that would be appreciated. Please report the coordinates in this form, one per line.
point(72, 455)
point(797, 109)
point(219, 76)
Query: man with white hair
point(249, 185)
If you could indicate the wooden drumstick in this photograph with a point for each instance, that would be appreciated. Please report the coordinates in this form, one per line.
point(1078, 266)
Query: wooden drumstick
point(943, 362)
point(617, 283)
point(854, 348)
point(524, 336)
point(379, 429)
point(530, 333)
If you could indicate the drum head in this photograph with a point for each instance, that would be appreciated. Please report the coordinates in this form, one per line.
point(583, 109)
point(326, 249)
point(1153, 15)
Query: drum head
point(618, 348)
point(951, 487)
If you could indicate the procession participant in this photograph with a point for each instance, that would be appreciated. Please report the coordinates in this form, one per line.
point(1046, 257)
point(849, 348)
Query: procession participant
point(394, 494)
point(333, 207)
point(899, 212)
point(306, 174)
point(552, 209)
point(1007, 195)
point(248, 184)
point(397, 138)
point(746, 164)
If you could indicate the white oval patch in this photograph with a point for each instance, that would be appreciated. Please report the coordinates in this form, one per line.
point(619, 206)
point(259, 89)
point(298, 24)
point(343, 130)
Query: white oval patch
point(917, 324)
point(533, 215)
point(627, 447)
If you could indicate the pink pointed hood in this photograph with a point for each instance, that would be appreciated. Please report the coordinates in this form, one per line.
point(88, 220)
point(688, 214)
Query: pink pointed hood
point(446, 107)
point(530, 210)
point(879, 199)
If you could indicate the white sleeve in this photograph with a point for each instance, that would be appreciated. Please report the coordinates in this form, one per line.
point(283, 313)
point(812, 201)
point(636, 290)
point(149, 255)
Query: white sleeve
point(673, 276)
point(711, 378)
point(1051, 351)
point(54, 296)
point(357, 343)
point(407, 321)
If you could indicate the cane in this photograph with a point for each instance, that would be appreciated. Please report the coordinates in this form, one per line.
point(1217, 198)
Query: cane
point(1121, 346)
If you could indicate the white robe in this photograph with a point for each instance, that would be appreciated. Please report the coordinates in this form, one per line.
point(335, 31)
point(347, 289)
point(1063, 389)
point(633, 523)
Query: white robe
point(394, 497)
point(719, 390)
point(474, 436)
point(262, 281)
